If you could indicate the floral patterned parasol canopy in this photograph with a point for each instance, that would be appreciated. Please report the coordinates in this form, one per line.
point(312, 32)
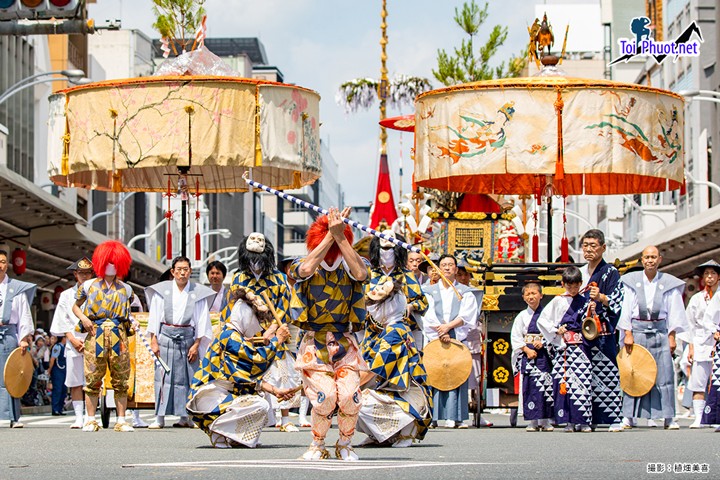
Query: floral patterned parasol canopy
point(131, 135)
point(516, 136)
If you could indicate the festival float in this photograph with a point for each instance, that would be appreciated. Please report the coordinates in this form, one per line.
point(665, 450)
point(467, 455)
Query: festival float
point(192, 128)
point(489, 155)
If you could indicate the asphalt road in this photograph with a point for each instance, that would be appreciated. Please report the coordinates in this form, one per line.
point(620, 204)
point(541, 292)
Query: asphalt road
point(46, 448)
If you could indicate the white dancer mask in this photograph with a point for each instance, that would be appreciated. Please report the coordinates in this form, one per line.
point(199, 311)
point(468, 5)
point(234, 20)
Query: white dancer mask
point(387, 243)
point(255, 242)
point(110, 270)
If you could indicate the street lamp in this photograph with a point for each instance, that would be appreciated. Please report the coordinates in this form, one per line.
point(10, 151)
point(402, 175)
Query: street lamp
point(692, 180)
point(146, 235)
point(74, 76)
point(122, 199)
point(698, 95)
point(223, 232)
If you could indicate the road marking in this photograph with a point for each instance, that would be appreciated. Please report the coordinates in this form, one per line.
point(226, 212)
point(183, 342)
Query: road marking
point(290, 464)
point(69, 418)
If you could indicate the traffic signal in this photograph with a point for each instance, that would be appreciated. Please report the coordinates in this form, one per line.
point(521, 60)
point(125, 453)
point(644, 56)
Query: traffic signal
point(38, 9)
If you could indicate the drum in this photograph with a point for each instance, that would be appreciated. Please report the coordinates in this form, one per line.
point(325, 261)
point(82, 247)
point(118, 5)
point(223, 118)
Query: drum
point(448, 365)
point(637, 370)
point(18, 372)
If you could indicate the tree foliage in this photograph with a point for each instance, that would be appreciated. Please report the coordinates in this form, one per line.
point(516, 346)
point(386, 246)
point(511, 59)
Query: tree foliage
point(178, 20)
point(465, 65)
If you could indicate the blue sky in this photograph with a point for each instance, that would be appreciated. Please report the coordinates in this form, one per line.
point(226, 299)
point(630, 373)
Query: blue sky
point(320, 44)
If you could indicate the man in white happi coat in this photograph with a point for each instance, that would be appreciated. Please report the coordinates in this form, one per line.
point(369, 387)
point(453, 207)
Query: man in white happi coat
point(446, 318)
point(180, 330)
point(652, 314)
point(65, 324)
point(16, 328)
point(700, 339)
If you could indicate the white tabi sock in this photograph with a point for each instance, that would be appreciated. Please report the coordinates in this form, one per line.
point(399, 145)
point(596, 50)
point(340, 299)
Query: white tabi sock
point(79, 409)
point(304, 403)
point(120, 419)
point(698, 407)
point(285, 420)
point(534, 423)
point(160, 420)
point(136, 415)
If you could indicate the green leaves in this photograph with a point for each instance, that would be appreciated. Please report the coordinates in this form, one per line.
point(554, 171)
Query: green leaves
point(178, 20)
point(465, 65)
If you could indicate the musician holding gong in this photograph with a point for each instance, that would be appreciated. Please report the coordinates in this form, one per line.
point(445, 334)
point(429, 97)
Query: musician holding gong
point(449, 318)
point(601, 284)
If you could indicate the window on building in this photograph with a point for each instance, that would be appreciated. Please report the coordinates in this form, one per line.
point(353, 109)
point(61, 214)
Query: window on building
point(294, 236)
point(293, 207)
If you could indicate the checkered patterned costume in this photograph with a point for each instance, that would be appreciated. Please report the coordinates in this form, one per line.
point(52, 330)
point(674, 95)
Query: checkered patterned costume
point(223, 398)
point(108, 307)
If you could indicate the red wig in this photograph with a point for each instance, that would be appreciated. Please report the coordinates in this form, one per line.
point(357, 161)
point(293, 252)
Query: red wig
point(317, 232)
point(113, 252)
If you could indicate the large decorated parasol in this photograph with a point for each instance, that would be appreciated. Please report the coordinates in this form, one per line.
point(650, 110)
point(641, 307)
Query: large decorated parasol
point(549, 135)
point(193, 128)
point(515, 136)
point(131, 135)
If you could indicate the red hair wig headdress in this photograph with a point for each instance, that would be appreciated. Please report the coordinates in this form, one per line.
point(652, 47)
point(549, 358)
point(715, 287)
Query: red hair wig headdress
point(113, 252)
point(317, 232)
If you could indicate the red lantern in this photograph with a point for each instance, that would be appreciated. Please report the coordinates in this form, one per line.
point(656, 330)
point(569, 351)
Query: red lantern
point(56, 295)
point(19, 260)
point(46, 301)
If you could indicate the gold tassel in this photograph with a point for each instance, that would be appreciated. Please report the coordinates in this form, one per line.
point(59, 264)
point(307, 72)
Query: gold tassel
point(560, 164)
point(258, 148)
point(116, 177)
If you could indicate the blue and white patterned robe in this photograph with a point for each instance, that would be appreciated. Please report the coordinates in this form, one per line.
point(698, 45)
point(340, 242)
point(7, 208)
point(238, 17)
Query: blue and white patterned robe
point(607, 394)
point(571, 364)
point(537, 379)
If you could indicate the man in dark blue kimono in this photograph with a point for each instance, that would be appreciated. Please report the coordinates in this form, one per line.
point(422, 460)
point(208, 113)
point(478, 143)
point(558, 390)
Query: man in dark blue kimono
point(601, 284)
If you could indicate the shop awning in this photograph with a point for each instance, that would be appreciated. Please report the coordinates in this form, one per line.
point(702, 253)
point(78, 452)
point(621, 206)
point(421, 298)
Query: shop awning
point(685, 245)
point(53, 236)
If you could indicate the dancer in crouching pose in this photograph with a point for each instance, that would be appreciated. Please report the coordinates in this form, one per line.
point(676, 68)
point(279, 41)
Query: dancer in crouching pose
point(396, 406)
point(226, 399)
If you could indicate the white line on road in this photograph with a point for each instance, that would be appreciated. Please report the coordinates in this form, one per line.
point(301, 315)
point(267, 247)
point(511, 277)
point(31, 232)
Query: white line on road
point(327, 465)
